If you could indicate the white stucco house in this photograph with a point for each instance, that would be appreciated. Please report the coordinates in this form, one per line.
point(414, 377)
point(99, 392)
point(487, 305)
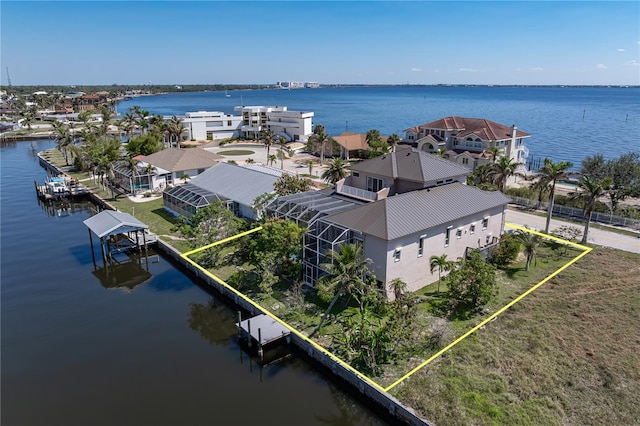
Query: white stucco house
point(291, 125)
point(403, 207)
point(211, 125)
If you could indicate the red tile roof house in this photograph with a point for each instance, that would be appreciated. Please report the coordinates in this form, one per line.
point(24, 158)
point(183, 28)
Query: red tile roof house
point(467, 139)
point(403, 207)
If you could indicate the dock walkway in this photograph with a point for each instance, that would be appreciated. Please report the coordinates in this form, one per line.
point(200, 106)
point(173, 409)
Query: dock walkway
point(262, 329)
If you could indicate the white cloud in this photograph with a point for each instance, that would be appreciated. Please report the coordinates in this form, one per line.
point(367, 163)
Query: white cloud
point(416, 69)
point(633, 63)
point(467, 70)
point(536, 69)
point(601, 66)
point(620, 50)
point(436, 70)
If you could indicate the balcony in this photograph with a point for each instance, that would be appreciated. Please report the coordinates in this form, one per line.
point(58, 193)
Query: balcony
point(360, 194)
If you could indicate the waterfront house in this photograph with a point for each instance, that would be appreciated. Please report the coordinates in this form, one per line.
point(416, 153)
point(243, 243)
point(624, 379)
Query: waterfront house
point(352, 145)
point(212, 125)
point(236, 185)
point(164, 168)
point(291, 125)
point(474, 135)
point(403, 207)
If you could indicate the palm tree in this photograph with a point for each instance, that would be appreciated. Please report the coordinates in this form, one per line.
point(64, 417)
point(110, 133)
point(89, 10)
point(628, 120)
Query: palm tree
point(441, 264)
point(398, 287)
point(502, 170)
point(589, 190)
point(63, 139)
point(132, 165)
point(336, 171)
point(346, 276)
point(494, 151)
point(267, 137)
point(310, 164)
point(393, 141)
point(550, 173)
point(530, 243)
point(175, 129)
point(321, 138)
point(272, 159)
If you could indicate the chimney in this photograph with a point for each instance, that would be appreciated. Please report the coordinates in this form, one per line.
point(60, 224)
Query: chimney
point(513, 131)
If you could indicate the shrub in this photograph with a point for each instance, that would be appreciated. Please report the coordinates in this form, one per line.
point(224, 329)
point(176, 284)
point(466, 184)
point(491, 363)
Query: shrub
point(506, 252)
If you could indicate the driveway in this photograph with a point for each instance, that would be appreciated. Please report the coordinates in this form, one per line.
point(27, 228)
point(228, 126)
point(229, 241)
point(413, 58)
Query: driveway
point(596, 236)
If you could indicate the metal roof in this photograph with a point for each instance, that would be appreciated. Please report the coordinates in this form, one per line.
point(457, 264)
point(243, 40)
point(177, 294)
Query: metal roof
point(416, 211)
point(109, 222)
point(411, 164)
point(235, 183)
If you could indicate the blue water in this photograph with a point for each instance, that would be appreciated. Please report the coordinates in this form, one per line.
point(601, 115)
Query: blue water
point(83, 348)
point(565, 123)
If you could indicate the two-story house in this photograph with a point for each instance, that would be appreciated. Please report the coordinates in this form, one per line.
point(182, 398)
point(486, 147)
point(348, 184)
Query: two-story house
point(466, 140)
point(403, 207)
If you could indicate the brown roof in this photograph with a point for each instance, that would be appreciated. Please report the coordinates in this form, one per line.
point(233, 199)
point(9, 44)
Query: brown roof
point(352, 141)
point(177, 160)
point(483, 128)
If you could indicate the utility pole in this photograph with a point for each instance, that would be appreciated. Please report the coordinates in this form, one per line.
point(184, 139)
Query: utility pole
point(8, 78)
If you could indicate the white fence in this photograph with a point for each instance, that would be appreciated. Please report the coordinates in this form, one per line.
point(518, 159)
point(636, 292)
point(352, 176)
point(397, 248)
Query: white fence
point(573, 213)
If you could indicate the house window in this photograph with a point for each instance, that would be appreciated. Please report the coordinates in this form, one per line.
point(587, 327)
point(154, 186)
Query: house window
point(421, 245)
point(447, 236)
point(374, 184)
point(472, 228)
point(459, 233)
point(465, 161)
point(229, 123)
point(485, 223)
point(396, 256)
point(355, 174)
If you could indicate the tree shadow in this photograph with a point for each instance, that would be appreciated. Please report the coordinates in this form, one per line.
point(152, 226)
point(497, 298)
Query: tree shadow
point(511, 271)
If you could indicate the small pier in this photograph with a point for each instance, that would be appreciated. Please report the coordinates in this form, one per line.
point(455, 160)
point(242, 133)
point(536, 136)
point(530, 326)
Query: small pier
point(261, 330)
point(60, 188)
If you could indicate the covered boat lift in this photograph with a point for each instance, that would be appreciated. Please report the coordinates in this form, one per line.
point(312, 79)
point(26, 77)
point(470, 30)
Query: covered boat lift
point(118, 232)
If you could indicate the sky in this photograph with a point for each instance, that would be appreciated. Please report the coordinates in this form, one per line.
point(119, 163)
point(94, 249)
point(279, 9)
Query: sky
point(330, 42)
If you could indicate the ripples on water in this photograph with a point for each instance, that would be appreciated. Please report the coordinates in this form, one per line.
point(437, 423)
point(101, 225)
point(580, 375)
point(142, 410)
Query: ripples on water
point(139, 345)
point(565, 123)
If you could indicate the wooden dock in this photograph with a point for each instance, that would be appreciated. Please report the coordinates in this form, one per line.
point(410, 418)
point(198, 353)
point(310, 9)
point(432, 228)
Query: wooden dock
point(261, 330)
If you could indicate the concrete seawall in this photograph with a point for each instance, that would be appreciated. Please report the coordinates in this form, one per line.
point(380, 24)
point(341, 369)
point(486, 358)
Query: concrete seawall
point(384, 401)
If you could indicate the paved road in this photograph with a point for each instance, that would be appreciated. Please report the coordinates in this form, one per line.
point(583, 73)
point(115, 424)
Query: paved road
point(596, 236)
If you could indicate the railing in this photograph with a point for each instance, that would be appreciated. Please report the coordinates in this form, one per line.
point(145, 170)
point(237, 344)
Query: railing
point(573, 213)
point(362, 194)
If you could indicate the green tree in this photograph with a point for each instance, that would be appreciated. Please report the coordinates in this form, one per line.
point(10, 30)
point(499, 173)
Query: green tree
point(549, 174)
point(318, 141)
point(588, 192)
point(267, 138)
point(472, 285)
point(495, 152)
point(210, 224)
point(392, 142)
point(530, 243)
point(502, 170)
point(441, 264)
point(288, 184)
point(506, 252)
point(336, 171)
point(625, 178)
point(144, 145)
point(346, 277)
point(272, 159)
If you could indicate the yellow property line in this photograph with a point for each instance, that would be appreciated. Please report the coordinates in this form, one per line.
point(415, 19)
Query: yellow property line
point(586, 251)
point(266, 311)
point(293, 330)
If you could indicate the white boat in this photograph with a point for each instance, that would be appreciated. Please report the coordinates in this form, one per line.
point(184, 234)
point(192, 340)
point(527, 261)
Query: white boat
point(226, 94)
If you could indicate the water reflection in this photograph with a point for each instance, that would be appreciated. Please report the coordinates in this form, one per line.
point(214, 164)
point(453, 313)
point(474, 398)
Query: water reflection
point(126, 272)
point(212, 322)
point(64, 208)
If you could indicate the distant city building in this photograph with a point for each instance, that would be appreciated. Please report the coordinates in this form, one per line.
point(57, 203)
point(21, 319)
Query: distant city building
point(298, 84)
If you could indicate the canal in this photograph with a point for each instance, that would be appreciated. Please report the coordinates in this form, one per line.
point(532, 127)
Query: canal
point(140, 344)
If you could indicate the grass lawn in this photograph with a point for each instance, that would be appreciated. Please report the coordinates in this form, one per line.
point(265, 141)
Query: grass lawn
point(566, 354)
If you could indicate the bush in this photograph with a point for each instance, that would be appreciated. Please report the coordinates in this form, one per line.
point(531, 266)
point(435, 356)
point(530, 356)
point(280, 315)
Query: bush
point(506, 252)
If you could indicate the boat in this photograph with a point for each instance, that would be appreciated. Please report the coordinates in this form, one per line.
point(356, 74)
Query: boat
point(226, 94)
